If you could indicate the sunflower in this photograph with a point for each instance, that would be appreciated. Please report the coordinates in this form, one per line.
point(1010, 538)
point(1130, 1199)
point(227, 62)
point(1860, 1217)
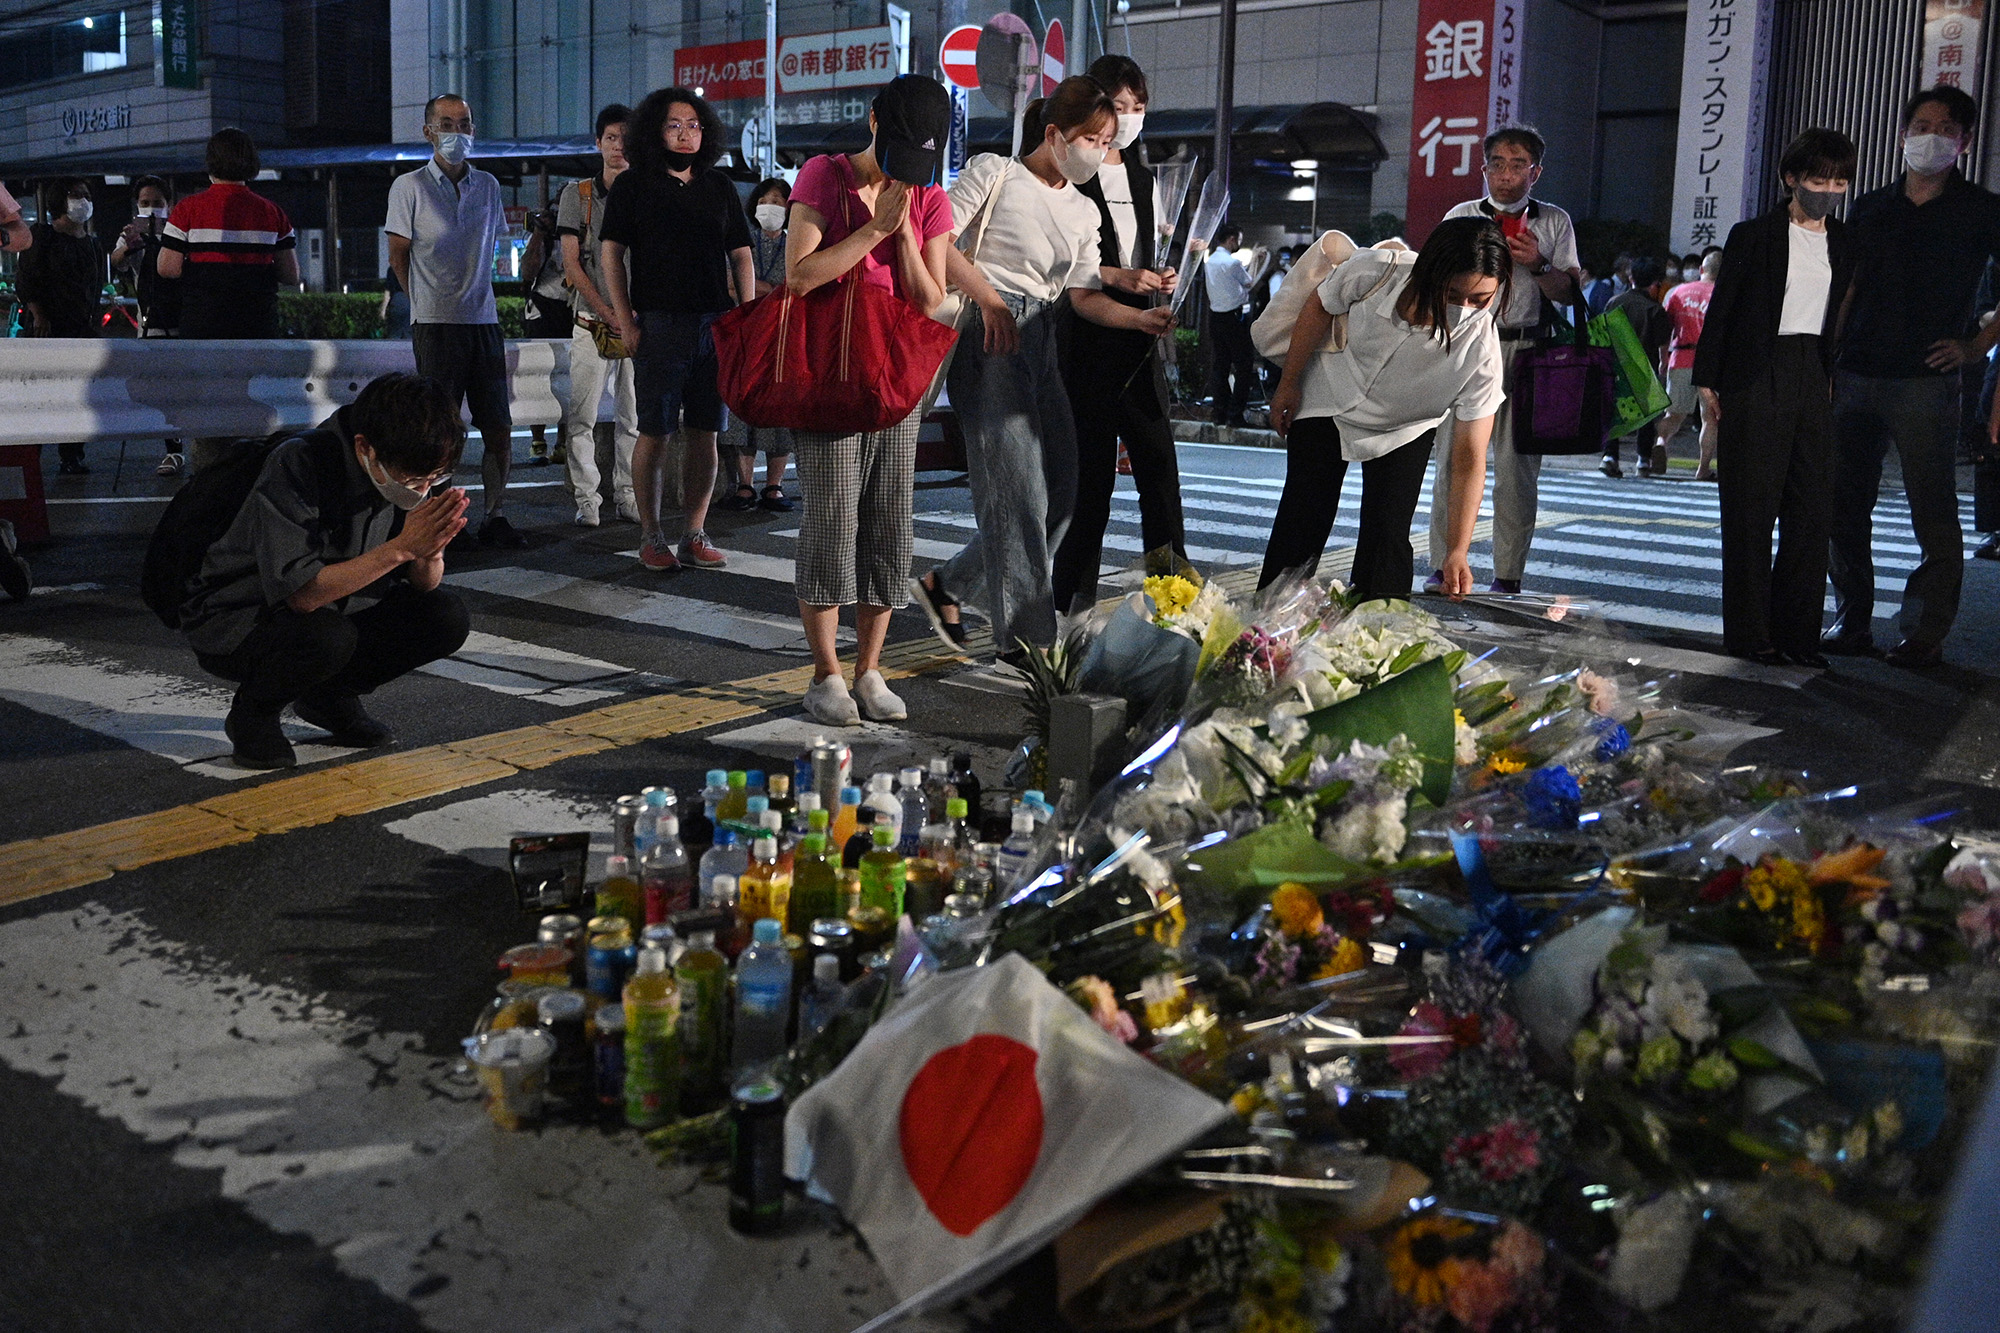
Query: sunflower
point(1420, 1259)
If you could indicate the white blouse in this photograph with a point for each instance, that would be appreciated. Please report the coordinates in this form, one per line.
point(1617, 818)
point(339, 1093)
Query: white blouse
point(1395, 382)
point(1037, 242)
point(1808, 283)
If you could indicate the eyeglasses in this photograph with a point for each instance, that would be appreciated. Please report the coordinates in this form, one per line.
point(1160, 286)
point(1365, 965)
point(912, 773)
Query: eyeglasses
point(683, 127)
point(1500, 166)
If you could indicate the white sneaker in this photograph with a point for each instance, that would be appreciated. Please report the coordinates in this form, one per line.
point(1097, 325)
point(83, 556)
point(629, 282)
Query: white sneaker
point(171, 465)
point(586, 513)
point(628, 507)
point(878, 701)
point(827, 701)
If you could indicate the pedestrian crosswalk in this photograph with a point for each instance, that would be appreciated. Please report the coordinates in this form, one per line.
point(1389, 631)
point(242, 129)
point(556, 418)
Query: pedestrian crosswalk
point(1640, 553)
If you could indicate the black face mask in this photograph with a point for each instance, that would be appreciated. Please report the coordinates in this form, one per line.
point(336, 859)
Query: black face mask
point(1816, 204)
point(678, 161)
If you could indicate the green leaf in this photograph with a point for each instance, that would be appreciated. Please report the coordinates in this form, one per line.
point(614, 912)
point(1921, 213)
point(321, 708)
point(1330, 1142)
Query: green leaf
point(1756, 1055)
point(1270, 856)
point(1416, 704)
point(1738, 1006)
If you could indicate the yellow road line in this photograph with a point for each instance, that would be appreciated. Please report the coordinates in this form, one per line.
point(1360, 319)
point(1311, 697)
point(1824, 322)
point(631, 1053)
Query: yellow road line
point(37, 866)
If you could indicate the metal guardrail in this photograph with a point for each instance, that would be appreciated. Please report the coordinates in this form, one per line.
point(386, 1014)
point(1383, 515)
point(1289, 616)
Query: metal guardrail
point(57, 389)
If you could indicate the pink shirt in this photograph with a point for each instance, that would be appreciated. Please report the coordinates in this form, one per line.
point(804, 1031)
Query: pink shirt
point(9, 210)
point(1687, 306)
point(821, 186)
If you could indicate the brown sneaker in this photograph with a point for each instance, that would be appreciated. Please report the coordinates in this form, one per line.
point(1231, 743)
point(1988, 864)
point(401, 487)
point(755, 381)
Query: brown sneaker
point(698, 550)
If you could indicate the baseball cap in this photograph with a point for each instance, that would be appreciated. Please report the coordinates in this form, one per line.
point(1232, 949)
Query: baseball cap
point(912, 122)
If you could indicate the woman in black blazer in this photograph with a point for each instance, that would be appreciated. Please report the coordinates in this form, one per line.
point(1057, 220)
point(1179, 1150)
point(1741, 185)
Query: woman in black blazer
point(1765, 366)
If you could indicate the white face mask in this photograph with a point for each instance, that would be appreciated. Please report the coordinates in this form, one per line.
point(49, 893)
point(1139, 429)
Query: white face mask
point(454, 148)
point(395, 492)
point(80, 211)
point(160, 213)
point(1078, 162)
point(1461, 315)
point(1129, 127)
point(1929, 154)
point(771, 217)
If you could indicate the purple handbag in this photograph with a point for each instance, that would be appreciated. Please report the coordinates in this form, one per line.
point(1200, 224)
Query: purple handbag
point(1565, 394)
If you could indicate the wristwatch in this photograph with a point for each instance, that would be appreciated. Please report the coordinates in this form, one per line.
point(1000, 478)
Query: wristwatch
point(1542, 268)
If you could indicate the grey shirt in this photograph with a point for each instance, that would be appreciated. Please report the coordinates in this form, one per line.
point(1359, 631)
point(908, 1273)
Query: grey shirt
point(1556, 235)
point(307, 510)
point(580, 213)
point(454, 230)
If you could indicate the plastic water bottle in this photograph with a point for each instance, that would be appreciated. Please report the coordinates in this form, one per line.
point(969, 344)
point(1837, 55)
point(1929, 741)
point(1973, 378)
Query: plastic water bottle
point(658, 804)
point(763, 998)
point(698, 829)
point(916, 811)
point(822, 997)
point(881, 798)
point(665, 876)
point(1017, 852)
point(1037, 804)
point(937, 788)
point(725, 858)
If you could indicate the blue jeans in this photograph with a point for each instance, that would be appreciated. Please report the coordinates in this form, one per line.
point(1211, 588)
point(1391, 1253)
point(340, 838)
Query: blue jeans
point(1020, 448)
point(1921, 417)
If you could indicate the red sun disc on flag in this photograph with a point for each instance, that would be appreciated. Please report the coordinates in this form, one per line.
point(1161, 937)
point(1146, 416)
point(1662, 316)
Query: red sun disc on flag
point(971, 1129)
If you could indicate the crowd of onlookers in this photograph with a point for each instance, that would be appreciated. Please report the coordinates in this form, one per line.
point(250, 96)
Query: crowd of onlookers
point(1805, 346)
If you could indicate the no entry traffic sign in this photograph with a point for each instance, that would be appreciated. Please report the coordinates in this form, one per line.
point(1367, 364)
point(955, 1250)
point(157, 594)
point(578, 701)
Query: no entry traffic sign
point(1053, 54)
point(959, 55)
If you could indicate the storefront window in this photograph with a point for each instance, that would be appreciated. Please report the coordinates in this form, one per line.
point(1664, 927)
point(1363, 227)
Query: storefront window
point(80, 46)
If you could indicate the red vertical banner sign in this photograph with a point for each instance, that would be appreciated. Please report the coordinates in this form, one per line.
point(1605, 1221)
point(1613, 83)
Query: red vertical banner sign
point(1468, 80)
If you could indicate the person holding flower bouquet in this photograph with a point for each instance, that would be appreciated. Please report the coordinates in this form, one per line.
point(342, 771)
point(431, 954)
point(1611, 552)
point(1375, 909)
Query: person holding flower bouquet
point(1419, 345)
point(877, 214)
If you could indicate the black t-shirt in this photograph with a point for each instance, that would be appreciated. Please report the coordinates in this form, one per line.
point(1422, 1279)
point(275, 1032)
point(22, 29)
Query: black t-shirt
point(1917, 269)
point(678, 236)
point(63, 274)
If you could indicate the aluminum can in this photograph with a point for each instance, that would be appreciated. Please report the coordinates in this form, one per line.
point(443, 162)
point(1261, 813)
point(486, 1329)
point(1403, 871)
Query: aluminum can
point(833, 768)
point(625, 827)
point(757, 1157)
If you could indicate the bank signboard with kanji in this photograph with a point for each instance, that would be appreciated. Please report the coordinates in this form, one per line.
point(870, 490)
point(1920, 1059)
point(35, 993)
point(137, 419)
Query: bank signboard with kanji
point(1719, 166)
point(1468, 82)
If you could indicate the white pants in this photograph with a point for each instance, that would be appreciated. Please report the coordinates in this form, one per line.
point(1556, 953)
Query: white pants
point(1516, 487)
point(587, 374)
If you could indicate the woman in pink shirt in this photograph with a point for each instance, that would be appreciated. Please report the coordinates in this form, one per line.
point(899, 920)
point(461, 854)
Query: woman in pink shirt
point(14, 234)
point(875, 214)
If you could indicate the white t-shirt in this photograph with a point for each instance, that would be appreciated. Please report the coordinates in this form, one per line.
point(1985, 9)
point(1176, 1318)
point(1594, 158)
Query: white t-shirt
point(1117, 187)
point(1037, 242)
point(1396, 382)
point(1808, 282)
point(1554, 233)
point(1228, 280)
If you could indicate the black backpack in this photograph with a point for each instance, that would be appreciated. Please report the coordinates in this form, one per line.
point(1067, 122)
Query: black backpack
point(204, 509)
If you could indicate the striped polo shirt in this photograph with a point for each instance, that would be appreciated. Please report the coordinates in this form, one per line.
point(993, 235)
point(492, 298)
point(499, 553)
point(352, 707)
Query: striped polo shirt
point(231, 236)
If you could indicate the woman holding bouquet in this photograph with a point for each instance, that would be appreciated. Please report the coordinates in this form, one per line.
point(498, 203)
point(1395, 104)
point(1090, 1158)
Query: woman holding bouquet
point(875, 214)
point(1038, 240)
point(1420, 346)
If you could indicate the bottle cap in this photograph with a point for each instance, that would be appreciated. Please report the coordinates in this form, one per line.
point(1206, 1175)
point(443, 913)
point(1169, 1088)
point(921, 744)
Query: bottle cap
point(940, 765)
point(767, 931)
point(884, 836)
point(817, 821)
point(652, 960)
point(955, 808)
point(813, 844)
point(658, 798)
point(725, 837)
point(757, 805)
point(754, 777)
point(773, 820)
point(809, 801)
point(779, 784)
point(617, 867)
point(1033, 797)
point(1024, 821)
point(560, 1006)
point(880, 782)
point(826, 968)
point(610, 1018)
point(737, 777)
point(767, 849)
point(850, 796)
point(718, 777)
point(912, 776)
point(702, 939)
point(723, 888)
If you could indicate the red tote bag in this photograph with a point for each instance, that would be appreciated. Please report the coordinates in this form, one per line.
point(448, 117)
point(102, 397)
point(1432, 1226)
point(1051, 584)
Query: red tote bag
point(847, 357)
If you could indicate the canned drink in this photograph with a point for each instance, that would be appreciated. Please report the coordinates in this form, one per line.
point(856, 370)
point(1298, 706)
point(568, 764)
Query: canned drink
point(834, 936)
point(757, 1157)
point(625, 827)
point(833, 768)
point(566, 930)
point(608, 1058)
point(609, 960)
point(562, 1013)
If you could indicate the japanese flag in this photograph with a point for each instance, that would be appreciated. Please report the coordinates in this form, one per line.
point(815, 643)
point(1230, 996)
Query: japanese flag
point(980, 1118)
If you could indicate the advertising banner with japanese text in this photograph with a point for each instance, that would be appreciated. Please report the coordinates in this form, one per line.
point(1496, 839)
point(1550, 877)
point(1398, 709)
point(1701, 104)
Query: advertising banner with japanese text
point(1468, 82)
point(723, 72)
point(1952, 31)
point(1718, 168)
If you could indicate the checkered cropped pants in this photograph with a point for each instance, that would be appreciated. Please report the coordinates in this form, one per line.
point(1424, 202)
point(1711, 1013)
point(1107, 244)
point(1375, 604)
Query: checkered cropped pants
point(854, 543)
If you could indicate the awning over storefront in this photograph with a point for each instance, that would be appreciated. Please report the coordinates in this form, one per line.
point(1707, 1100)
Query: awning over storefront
point(1333, 134)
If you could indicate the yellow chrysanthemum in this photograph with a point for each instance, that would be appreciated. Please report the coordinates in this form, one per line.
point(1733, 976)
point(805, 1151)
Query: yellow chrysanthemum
point(1171, 594)
point(1296, 909)
point(1348, 956)
point(1503, 766)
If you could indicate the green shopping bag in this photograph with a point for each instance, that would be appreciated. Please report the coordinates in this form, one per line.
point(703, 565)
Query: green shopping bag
point(1640, 396)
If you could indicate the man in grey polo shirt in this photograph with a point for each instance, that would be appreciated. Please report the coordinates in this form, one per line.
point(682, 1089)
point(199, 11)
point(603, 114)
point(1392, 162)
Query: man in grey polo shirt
point(1543, 243)
point(445, 222)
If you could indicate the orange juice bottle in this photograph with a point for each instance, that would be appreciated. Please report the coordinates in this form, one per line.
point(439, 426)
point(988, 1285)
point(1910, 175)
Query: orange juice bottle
point(846, 818)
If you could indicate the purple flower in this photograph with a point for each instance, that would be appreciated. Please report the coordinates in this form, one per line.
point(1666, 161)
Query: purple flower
point(1612, 739)
point(1553, 799)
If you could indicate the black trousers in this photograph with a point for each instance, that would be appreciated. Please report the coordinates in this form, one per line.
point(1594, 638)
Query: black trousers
point(1105, 413)
point(1390, 487)
point(1775, 451)
point(1230, 349)
point(330, 653)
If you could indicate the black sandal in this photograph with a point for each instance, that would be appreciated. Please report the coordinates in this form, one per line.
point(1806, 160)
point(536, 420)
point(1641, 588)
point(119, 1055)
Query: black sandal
point(934, 601)
point(774, 500)
point(745, 498)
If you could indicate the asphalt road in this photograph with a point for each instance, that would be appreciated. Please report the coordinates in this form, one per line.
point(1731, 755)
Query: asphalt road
point(228, 1095)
